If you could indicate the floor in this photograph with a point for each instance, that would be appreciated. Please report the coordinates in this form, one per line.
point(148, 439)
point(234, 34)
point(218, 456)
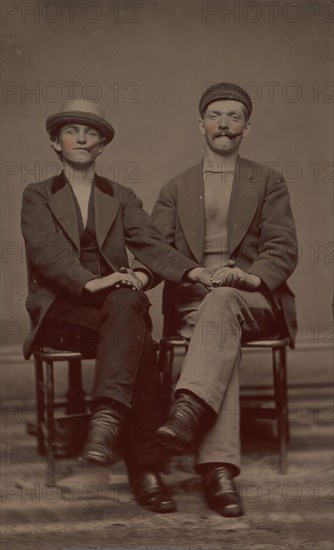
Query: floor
point(94, 509)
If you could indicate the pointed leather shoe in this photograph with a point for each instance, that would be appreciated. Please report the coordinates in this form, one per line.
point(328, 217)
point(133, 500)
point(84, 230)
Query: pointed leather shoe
point(151, 492)
point(103, 438)
point(221, 493)
point(187, 417)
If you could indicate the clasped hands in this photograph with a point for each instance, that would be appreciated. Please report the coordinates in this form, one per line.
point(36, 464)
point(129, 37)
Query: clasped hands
point(217, 275)
point(224, 274)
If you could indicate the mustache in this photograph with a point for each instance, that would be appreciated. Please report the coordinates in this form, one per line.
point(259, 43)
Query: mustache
point(95, 144)
point(230, 135)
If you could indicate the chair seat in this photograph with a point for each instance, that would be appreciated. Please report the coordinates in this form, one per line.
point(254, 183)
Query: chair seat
point(50, 354)
point(275, 343)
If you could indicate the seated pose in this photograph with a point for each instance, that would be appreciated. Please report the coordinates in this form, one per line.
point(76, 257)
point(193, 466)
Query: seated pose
point(231, 211)
point(83, 296)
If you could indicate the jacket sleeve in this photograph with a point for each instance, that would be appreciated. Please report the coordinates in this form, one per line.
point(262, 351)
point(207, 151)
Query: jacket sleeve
point(51, 257)
point(135, 265)
point(277, 247)
point(147, 243)
point(164, 214)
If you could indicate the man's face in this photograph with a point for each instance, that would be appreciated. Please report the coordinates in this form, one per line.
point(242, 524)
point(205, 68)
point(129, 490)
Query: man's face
point(224, 125)
point(73, 141)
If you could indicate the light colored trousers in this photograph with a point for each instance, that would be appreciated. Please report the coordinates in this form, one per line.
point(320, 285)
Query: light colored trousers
point(225, 318)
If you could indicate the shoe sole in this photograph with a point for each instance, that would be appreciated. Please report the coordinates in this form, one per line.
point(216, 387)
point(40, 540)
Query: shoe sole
point(92, 458)
point(99, 458)
point(225, 511)
point(162, 510)
point(169, 440)
point(230, 515)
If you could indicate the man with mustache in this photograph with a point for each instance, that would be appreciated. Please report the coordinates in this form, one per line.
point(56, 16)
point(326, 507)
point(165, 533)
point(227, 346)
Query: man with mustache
point(83, 296)
point(224, 210)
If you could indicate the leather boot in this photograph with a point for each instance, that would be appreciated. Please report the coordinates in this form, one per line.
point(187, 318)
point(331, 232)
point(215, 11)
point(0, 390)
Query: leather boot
point(221, 494)
point(186, 421)
point(150, 491)
point(103, 439)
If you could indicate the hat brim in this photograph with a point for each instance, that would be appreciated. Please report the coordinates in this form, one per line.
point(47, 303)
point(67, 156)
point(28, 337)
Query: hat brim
point(54, 122)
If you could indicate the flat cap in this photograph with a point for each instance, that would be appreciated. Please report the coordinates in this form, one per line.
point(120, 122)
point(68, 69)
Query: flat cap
point(80, 111)
point(225, 90)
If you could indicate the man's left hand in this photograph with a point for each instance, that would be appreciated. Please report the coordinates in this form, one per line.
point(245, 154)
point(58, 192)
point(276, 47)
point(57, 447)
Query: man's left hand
point(236, 278)
point(204, 275)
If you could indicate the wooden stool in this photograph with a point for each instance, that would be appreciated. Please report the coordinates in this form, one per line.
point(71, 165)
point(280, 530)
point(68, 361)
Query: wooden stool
point(45, 400)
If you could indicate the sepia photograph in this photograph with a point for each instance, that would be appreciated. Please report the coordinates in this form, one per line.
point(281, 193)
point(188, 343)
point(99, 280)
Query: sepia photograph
point(167, 250)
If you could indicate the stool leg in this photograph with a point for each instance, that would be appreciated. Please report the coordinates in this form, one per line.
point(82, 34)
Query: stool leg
point(75, 395)
point(50, 424)
point(282, 352)
point(166, 361)
point(40, 405)
point(280, 413)
point(166, 364)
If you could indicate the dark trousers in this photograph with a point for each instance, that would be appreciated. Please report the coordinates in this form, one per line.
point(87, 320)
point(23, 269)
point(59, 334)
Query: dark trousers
point(116, 329)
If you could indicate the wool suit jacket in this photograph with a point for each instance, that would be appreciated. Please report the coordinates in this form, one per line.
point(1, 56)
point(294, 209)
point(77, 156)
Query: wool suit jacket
point(261, 231)
point(49, 224)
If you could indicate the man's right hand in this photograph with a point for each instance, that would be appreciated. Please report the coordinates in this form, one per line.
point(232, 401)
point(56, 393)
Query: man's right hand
point(204, 275)
point(116, 280)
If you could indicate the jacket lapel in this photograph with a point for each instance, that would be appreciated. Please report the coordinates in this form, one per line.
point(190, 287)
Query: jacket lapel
point(191, 211)
point(63, 208)
point(242, 207)
point(243, 203)
point(62, 205)
point(106, 208)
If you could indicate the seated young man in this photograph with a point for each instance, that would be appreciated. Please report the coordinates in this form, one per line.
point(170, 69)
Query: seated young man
point(83, 296)
point(230, 210)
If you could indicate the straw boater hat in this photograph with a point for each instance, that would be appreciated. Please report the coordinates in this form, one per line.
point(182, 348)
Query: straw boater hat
point(80, 111)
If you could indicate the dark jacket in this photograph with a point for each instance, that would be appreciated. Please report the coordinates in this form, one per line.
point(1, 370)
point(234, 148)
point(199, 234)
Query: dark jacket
point(50, 228)
point(261, 230)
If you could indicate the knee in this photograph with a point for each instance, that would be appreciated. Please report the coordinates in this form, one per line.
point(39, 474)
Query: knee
point(224, 297)
point(125, 299)
point(219, 316)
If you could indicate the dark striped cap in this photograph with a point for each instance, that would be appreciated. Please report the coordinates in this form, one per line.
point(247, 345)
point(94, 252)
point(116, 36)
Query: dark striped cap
point(225, 90)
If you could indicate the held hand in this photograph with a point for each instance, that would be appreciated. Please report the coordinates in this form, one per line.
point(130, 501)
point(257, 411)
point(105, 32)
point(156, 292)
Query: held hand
point(125, 280)
point(116, 280)
point(141, 277)
point(204, 275)
point(215, 267)
point(236, 278)
point(200, 275)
